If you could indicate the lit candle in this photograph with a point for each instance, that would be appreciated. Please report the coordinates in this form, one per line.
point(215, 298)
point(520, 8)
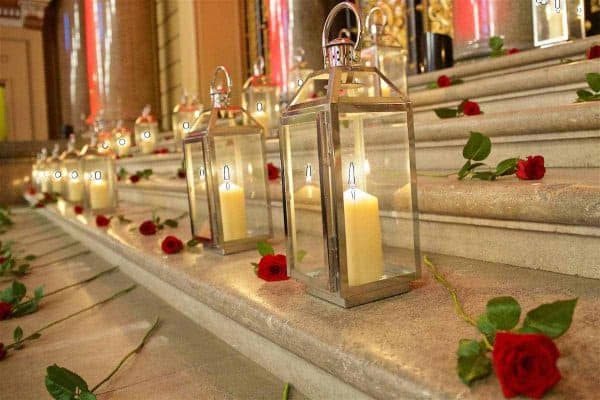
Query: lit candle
point(261, 116)
point(147, 142)
point(385, 90)
point(56, 181)
point(308, 193)
point(75, 187)
point(44, 178)
point(99, 194)
point(123, 146)
point(233, 208)
point(364, 252)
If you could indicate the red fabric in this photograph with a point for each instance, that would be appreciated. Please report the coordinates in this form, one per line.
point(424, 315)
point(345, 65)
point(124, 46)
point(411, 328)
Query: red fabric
point(525, 364)
point(272, 268)
point(531, 169)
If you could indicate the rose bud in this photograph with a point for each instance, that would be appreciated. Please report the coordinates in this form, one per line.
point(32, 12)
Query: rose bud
point(171, 245)
point(5, 310)
point(273, 171)
point(470, 108)
point(593, 52)
point(514, 50)
point(148, 228)
point(2, 352)
point(78, 210)
point(272, 268)
point(444, 81)
point(531, 169)
point(134, 178)
point(102, 221)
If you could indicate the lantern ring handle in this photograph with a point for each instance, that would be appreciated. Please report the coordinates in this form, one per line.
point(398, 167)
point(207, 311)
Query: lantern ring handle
point(213, 82)
point(370, 14)
point(330, 17)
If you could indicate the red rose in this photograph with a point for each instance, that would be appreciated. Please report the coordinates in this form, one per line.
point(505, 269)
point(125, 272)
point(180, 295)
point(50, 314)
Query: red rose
point(444, 81)
point(171, 245)
point(147, 228)
point(2, 259)
point(78, 210)
point(39, 204)
point(102, 221)
point(273, 171)
point(2, 352)
point(514, 50)
point(5, 310)
point(531, 169)
point(470, 108)
point(181, 174)
point(525, 364)
point(31, 191)
point(134, 178)
point(162, 150)
point(47, 196)
point(272, 268)
point(593, 52)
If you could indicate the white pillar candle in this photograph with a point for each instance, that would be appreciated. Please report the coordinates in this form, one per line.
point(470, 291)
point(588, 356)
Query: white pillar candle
point(233, 211)
point(123, 146)
point(147, 142)
point(99, 195)
point(308, 193)
point(44, 181)
point(75, 190)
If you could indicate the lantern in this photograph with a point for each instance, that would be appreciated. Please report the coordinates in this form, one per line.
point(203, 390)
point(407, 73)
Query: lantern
point(350, 181)
point(298, 73)
point(44, 172)
point(184, 115)
point(72, 172)
point(121, 140)
point(146, 131)
point(260, 98)
point(55, 174)
point(99, 177)
point(37, 171)
point(226, 175)
point(384, 54)
point(105, 137)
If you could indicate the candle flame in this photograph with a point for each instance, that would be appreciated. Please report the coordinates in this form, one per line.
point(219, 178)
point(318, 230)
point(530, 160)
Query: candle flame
point(351, 175)
point(308, 173)
point(259, 106)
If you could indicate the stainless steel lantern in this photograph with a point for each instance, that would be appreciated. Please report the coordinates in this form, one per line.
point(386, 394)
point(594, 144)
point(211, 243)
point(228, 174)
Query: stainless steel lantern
point(298, 73)
point(146, 131)
point(105, 137)
point(55, 178)
point(384, 53)
point(99, 177)
point(184, 115)
point(121, 140)
point(72, 172)
point(260, 98)
point(350, 181)
point(226, 175)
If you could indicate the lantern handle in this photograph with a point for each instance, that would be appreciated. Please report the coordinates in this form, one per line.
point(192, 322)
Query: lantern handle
point(371, 25)
point(333, 13)
point(259, 66)
point(213, 82)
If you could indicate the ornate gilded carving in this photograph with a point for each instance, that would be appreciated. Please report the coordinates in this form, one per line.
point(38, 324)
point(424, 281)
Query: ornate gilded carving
point(439, 15)
point(395, 11)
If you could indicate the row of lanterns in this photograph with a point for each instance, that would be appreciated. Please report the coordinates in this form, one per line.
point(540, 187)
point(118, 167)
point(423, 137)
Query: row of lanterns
point(347, 151)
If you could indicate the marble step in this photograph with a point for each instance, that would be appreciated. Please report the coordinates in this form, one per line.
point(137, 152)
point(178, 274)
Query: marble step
point(180, 361)
point(479, 220)
point(402, 347)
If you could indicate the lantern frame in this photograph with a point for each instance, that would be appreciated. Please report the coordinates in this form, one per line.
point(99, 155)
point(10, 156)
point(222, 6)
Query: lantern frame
point(69, 158)
point(90, 156)
point(258, 87)
point(326, 111)
point(205, 130)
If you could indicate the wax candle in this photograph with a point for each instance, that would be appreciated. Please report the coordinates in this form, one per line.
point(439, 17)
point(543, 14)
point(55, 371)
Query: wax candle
point(385, 90)
point(233, 209)
point(147, 142)
point(123, 146)
point(309, 193)
point(56, 182)
point(364, 252)
point(99, 194)
point(44, 178)
point(75, 190)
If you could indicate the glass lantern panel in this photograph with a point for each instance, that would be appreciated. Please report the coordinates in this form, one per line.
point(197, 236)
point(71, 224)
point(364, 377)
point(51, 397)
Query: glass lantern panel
point(378, 240)
point(550, 23)
point(391, 62)
point(100, 183)
point(297, 78)
point(123, 144)
point(315, 88)
point(240, 177)
point(305, 226)
point(146, 136)
point(73, 180)
point(44, 176)
point(56, 177)
point(198, 191)
point(183, 122)
point(364, 84)
point(262, 102)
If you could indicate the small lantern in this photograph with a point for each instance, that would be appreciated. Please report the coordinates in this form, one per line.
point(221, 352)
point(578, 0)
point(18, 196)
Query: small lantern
point(44, 172)
point(260, 98)
point(99, 177)
point(298, 73)
point(55, 179)
point(350, 180)
point(105, 137)
point(72, 172)
point(226, 174)
point(121, 140)
point(184, 115)
point(384, 53)
point(146, 131)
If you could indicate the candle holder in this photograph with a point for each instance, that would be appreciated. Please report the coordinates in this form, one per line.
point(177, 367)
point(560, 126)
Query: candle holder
point(384, 53)
point(298, 73)
point(55, 178)
point(146, 131)
point(260, 98)
point(226, 173)
point(122, 140)
point(350, 180)
point(99, 178)
point(183, 117)
point(72, 172)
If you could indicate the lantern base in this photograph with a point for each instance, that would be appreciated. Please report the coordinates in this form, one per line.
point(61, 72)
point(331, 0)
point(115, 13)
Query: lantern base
point(238, 246)
point(400, 285)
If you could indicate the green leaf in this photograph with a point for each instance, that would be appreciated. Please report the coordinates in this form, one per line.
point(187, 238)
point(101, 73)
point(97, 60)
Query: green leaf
point(38, 293)
point(123, 220)
point(456, 81)
point(432, 85)
point(472, 362)
point(507, 167)
point(484, 175)
point(300, 255)
point(593, 79)
point(192, 243)
point(485, 326)
point(496, 43)
point(63, 384)
point(552, 319)
point(467, 168)
point(85, 395)
point(171, 223)
point(35, 336)
point(265, 248)
point(14, 293)
point(584, 95)
point(18, 334)
point(478, 147)
point(30, 257)
point(503, 312)
point(444, 113)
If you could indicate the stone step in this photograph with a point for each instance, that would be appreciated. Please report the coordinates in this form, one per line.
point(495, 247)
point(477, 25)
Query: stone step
point(180, 361)
point(387, 349)
point(474, 219)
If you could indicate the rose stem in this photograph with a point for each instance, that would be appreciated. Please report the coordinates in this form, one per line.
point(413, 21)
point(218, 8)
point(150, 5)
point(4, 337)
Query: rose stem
point(81, 253)
point(457, 305)
point(114, 296)
point(286, 391)
point(132, 352)
point(436, 175)
point(57, 249)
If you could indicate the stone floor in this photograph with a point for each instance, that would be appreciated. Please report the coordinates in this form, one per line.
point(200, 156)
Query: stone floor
point(180, 361)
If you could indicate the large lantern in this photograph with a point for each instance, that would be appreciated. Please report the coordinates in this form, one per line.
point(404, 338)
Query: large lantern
point(55, 174)
point(260, 98)
point(72, 172)
point(121, 140)
point(298, 73)
point(100, 181)
point(226, 175)
point(184, 115)
point(146, 131)
point(384, 54)
point(350, 181)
